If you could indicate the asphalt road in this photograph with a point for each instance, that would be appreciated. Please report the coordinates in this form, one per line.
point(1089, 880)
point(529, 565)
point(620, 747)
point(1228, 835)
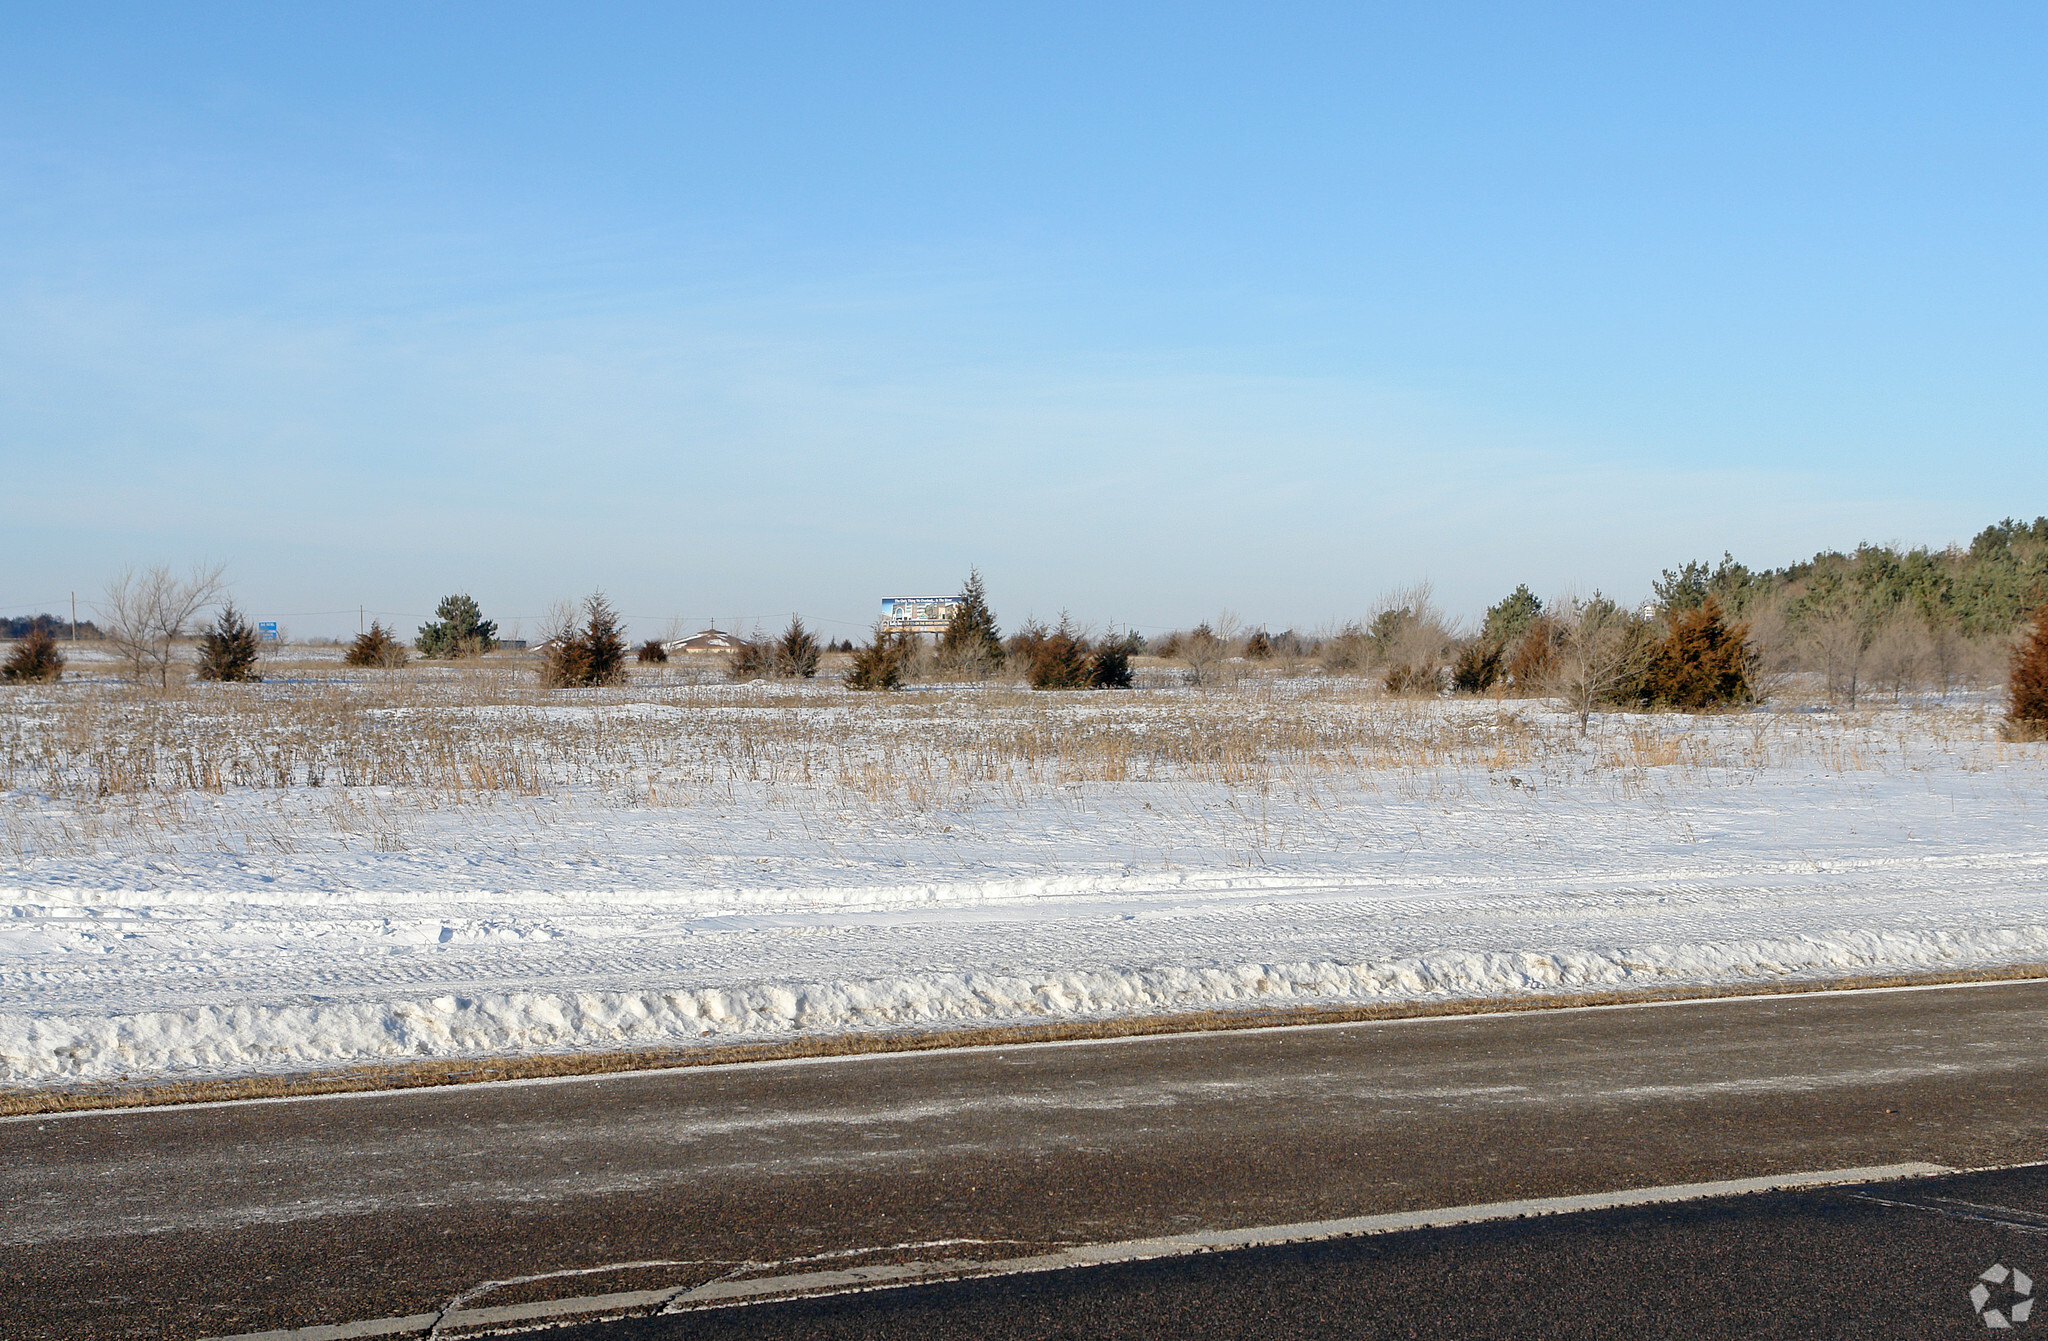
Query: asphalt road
point(238, 1218)
point(1892, 1260)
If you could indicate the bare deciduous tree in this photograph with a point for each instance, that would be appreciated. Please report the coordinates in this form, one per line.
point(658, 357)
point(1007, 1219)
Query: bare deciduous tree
point(147, 610)
point(1837, 639)
point(1204, 654)
point(1413, 639)
point(1899, 652)
point(1600, 647)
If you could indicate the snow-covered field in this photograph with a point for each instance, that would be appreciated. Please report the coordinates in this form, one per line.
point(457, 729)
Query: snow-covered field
point(483, 868)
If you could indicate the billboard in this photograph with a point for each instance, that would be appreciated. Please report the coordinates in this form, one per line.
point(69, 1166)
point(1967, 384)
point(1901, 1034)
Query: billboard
point(917, 614)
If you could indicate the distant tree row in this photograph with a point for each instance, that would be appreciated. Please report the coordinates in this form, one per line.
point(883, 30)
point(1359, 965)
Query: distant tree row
point(1879, 618)
point(22, 626)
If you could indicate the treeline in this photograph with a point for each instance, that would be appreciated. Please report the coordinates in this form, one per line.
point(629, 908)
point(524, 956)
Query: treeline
point(22, 626)
point(1985, 591)
point(1878, 619)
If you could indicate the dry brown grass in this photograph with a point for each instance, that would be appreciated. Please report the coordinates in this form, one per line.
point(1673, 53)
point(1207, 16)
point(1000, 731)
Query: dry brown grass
point(91, 768)
point(427, 1075)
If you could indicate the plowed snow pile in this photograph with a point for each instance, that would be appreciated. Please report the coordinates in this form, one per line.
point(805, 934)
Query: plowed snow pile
point(911, 864)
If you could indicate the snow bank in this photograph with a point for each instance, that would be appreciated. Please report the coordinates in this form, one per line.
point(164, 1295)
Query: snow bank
point(566, 923)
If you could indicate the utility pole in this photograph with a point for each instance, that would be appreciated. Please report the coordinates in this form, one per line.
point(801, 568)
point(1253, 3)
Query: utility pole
point(74, 616)
point(359, 619)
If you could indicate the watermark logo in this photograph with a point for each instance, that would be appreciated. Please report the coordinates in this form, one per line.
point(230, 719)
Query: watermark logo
point(2015, 1298)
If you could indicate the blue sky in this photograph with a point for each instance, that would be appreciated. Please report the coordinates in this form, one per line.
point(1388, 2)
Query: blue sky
point(1149, 312)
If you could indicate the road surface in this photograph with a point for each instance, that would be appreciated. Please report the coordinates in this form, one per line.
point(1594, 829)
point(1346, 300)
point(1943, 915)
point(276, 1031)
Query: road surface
point(235, 1219)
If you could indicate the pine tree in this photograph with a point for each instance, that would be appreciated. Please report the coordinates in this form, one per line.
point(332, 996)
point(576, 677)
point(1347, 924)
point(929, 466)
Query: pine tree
point(459, 630)
point(753, 659)
point(592, 655)
point(1508, 620)
point(1109, 667)
point(971, 643)
point(227, 650)
point(376, 648)
point(2027, 690)
point(35, 659)
point(604, 642)
point(879, 665)
point(796, 652)
point(1701, 663)
point(1061, 660)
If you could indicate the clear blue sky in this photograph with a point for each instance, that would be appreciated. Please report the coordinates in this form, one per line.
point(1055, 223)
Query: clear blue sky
point(1147, 311)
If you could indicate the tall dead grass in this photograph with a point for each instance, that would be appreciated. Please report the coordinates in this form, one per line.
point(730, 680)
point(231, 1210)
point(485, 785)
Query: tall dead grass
point(90, 767)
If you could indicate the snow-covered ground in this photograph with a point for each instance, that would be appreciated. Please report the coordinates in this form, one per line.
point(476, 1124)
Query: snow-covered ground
point(689, 864)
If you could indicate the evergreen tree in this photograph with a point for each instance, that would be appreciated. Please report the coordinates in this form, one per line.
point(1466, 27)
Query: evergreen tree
point(796, 652)
point(227, 650)
point(1061, 659)
point(1478, 666)
point(879, 665)
point(753, 659)
point(35, 659)
point(1508, 620)
point(1109, 666)
point(459, 630)
point(376, 648)
point(592, 655)
point(1701, 663)
point(604, 642)
point(971, 642)
point(2027, 690)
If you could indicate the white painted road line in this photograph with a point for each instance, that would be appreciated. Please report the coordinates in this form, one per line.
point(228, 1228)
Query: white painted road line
point(478, 1321)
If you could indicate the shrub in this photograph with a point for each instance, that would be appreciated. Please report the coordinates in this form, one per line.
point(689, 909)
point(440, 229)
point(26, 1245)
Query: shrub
point(375, 648)
point(1203, 653)
point(227, 650)
point(1060, 660)
point(2027, 689)
point(795, 655)
point(971, 644)
point(1477, 668)
point(594, 654)
point(1022, 645)
point(879, 665)
point(1402, 678)
point(459, 630)
point(34, 660)
point(1535, 657)
point(1411, 638)
point(753, 659)
point(1346, 649)
point(1258, 647)
point(651, 651)
point(1701, 663)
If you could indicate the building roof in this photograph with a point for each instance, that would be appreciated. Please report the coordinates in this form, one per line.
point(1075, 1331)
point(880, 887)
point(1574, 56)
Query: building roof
point(710, 640)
